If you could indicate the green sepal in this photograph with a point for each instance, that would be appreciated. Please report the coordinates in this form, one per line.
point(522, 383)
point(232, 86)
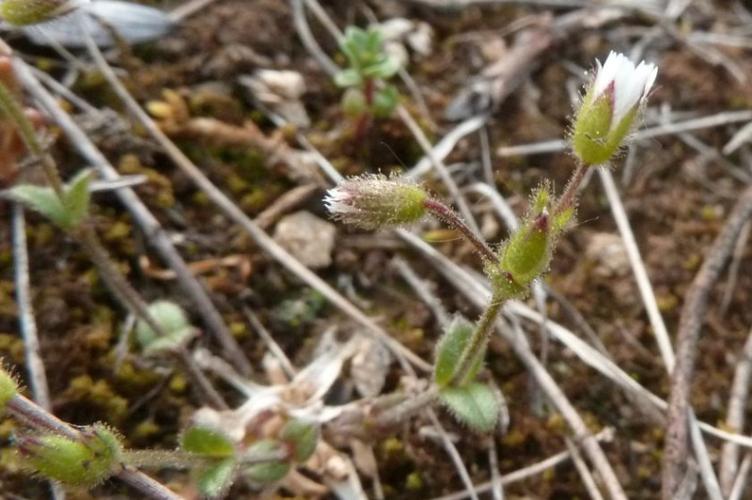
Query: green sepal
point(528, 252)
point(474, 405)
point(207, 442)
point(449, 351)
point(594, 138)
point(302, 437)
point(214, 480)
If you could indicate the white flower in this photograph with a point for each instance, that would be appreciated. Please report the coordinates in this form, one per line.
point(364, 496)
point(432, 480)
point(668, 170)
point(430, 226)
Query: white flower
point(628, 84)
point(610, 107)
point(375, 201)
point(338, 201)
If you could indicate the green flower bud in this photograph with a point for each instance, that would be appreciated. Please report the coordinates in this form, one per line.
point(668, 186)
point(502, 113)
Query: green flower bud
point(174, 324)
point(8, 387)
point(375, 201)
point(527, 253)
point(268, 471)
point(85, 462)
point(23, 12)
point(609, 108)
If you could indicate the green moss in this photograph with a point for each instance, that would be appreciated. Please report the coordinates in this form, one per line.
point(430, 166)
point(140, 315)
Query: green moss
point(99, 393)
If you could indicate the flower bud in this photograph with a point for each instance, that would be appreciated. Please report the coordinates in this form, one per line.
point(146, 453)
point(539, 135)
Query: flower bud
point(8, 387)
point(375, 201)
point(85, 462)
point(527, 253)
point(610, 106)
point(24, 12)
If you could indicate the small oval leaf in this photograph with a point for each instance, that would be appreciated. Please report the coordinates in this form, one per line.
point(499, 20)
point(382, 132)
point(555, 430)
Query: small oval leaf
point(214, 481)
point(449, 351)
point(207, 442)
point(475, 405)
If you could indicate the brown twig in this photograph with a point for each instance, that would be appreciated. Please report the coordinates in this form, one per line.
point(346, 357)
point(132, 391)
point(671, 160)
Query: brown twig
point(692, 316)
point(151, 227)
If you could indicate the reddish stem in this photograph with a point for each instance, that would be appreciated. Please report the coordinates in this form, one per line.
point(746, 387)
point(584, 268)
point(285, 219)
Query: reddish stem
point(569, 195)
point(448, 215)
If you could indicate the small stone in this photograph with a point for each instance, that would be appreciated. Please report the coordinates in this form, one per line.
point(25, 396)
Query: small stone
point(308, 238)
point(607, 251)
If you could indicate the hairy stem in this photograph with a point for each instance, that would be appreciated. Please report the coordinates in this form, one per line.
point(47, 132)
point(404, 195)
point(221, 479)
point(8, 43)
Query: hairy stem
point(410, 405)
point(569, 196)
point(159, 459)
point(451, 218)
point(478, 340)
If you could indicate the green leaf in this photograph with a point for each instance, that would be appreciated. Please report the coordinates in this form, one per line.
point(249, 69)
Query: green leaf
point(385, 101)
point(354, 44)
point(43, 200)
point(386, 68)
point(354, 102)
point(207, 442)
point(173, 323)
point(67, 213)
point(349, 77)
point(302, 437)
point(77, 197)
point(449, 351)
point(268, 471)
point(475, 405)
point(213, 481)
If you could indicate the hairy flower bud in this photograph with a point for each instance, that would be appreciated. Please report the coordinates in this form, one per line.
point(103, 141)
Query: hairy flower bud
point(527, 253)
point(8, 387)
point(24, 12)
point(84, 462)
point(609, 108)
point(375, 201)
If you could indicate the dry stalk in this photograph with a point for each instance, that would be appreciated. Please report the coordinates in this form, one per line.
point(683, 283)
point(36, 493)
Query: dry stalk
point(690, 325)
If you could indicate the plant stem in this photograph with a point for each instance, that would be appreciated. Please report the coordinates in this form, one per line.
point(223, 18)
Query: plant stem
point(160, 459)
point(400, 412)
point(569, 196)
point(132, 299)
point(29, 413)
point(449, 216)
point(33, 415)
point(478, 340)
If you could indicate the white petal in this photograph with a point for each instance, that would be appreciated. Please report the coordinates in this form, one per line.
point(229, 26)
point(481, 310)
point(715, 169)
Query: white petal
point(606, 73)
point(631, 83)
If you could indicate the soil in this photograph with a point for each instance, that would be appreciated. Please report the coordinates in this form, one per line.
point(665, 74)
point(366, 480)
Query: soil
point(677, 200)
